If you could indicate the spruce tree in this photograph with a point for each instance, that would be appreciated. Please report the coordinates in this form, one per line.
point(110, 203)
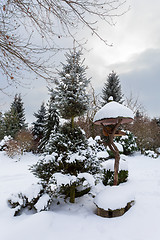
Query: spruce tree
point(112, 87)
point(17, 107)
point(1, 126)
point(51, 122)
point(69, 157)
point(14, 119)
point(38, 125)
point(70, 91)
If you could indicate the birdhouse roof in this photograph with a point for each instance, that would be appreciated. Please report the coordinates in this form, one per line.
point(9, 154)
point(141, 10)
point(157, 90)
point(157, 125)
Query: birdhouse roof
point(111, 112)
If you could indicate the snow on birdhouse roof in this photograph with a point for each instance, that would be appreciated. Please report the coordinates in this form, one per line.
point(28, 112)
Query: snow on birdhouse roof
point(110, 113)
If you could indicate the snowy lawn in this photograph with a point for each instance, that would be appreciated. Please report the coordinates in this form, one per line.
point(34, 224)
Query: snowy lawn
point(78, 221)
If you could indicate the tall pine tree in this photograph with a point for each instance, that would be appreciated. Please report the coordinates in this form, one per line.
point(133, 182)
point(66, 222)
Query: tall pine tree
point(112, 87)
point(70, 92)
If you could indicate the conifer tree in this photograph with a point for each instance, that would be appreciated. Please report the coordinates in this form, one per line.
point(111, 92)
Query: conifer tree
point(69, 157)
point(18, 108)
point(14, 119)
point(51, 122)
point(1, 126)
point(112, 88)
point(38, 125)
point(70, 92)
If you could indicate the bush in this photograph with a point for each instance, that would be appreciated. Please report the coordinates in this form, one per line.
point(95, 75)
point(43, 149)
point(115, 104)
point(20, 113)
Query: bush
point(108, 177)
point(36, 198)
point(24, 140)
point(12, 148)
point(68, 164)
point(128, 142)
point(108, 172)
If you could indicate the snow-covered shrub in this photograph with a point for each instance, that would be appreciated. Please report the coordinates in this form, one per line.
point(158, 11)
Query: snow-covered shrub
point(98, 148)
point(4, 141)
point(108, 172)
point(35, 198)
point(151, 154)
point(128, 142)
point(70, 158)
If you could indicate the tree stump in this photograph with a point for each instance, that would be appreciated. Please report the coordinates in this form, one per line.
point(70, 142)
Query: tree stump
point(114, 201)
point(109, 213)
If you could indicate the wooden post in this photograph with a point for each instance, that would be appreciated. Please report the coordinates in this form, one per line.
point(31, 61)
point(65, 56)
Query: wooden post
point(115, 150)
point(72, 193)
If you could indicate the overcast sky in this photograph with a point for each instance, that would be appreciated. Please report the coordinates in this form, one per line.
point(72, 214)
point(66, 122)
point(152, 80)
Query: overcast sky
point(135, 57)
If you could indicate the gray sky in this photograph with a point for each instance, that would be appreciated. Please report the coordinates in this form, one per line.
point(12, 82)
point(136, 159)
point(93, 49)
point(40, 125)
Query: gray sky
point(135, 57)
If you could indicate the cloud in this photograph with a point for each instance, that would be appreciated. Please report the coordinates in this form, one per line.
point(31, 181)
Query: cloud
point(141, 76)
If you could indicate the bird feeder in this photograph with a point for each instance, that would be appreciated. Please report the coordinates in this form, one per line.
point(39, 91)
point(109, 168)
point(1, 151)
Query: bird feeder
point(110, 117)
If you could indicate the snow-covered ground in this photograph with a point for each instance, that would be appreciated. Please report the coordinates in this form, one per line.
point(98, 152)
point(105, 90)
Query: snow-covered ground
point(78, 221)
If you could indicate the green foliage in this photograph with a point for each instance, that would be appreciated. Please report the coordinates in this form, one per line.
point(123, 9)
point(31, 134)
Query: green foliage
point(66, 140)
point(38, 125)
point(23, 201)
point(1, 126)
point(128, 142)
point(69, 157)
point(112, 88)
point(51, 124)
point(108, 177)
point(14, 119)
point(70, 92)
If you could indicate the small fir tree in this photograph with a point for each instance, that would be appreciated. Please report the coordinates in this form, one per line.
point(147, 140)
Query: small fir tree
point(39, 124)
point(112, 88)
point(71, 160)
point(51, 122)
point(17, 107)
point(14, 119)
point(70, 93)
point(68, 148)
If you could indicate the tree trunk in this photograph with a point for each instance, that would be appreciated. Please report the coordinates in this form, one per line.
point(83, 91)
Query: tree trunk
point(116, 168)
point(115, 150)
point(72, 122)
point(72, 193)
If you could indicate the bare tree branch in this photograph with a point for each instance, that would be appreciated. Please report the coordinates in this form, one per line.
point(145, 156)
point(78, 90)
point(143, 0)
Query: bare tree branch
point(32, 31)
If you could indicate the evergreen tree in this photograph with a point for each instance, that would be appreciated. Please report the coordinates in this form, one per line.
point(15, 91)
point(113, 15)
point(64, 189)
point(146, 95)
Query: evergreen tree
point(51, 122)
point(38, 125)
point(1, 126)
point(18, 108)
point(112, 88)
point(14, 119)
point(71, 160)
point(70, 156)
point(70, 92)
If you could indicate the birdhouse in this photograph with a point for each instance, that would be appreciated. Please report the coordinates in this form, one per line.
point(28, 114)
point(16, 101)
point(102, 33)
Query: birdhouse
point(111, 112)
point(111, 116)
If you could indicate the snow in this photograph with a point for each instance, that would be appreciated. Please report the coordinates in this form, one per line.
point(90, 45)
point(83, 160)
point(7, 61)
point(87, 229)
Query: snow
point(114, 197)
point(79, 221)
point(113, 110)
point(109, 165)
point(88, 177)
point(119, 146)
point(102, 154)
point(42, 202)
point(64, 178)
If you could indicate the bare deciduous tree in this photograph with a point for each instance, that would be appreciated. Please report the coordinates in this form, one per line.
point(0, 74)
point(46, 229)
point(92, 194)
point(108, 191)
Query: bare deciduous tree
point(32, 31)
